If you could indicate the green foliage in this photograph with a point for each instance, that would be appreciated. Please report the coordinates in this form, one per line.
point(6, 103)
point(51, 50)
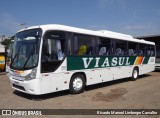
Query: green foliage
point(7, 41)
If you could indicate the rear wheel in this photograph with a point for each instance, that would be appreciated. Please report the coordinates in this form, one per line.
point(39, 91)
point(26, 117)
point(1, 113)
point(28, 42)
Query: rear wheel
point(135, 74)
point(77, 84)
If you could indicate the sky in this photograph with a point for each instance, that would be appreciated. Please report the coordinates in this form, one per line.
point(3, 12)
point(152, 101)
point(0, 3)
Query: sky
point(133, 17)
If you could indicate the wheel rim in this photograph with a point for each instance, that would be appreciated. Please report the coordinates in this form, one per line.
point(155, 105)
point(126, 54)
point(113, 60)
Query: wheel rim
point(77, 83)
point(135, 73)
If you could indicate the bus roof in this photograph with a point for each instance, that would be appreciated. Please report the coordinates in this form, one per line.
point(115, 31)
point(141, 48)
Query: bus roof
point(101, 33)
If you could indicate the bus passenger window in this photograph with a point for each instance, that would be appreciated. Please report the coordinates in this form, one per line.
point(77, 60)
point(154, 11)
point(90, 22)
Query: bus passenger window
point(104, 45)
point(132, 49)
point(93, 48)
point(83, 45)
point(131, 52)
point(142, 49)
point(118, 51)
point(151, 50)
point(82, 50)
point(53, 50)
point(102, 51)
point(121, 48)
point(141, 52)
point(148, 53)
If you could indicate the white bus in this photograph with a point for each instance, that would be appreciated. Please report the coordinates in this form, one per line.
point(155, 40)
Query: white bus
point(50, 58)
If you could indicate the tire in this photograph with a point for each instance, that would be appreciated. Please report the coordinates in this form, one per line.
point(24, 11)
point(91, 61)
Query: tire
point(135, 74)
point(77, 84)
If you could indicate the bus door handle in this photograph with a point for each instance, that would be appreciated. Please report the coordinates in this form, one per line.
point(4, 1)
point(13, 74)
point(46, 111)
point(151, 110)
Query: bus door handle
point(109, 68)
point(119, 67)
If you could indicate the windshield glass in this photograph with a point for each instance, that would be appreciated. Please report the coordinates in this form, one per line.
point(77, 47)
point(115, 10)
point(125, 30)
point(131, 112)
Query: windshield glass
point(26, 49)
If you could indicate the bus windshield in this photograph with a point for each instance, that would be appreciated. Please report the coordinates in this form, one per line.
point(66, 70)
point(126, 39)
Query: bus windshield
point(26, 49)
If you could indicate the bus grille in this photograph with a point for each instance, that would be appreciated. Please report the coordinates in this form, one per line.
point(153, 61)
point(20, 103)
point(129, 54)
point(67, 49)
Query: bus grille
point(18, 87)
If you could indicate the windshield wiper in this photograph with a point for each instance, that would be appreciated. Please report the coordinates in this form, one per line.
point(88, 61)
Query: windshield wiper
point(29, 57)
point(16, 55)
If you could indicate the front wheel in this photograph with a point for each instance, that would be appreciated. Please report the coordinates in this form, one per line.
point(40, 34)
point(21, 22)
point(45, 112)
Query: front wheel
point(135, 74)
point(77, 84)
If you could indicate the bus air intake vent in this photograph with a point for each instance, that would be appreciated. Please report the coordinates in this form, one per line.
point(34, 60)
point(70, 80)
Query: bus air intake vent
point(18, 87)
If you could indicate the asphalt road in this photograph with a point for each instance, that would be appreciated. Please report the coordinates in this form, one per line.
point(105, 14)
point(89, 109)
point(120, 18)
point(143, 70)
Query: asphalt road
point(120, 94)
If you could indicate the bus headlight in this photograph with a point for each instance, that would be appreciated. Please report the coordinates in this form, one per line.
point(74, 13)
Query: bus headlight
point(32, 75)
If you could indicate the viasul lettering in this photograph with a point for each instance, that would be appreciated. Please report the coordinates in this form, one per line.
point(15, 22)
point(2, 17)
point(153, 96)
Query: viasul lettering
point(99, 62)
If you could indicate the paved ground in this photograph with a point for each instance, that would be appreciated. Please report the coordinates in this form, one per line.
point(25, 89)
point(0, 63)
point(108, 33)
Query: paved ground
point(121, 94)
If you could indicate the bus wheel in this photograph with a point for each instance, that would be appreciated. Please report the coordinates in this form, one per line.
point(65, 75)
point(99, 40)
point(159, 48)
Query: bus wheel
point(77, 84)
point(135, 74)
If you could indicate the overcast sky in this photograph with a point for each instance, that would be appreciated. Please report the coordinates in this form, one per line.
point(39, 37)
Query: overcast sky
point(134, 17)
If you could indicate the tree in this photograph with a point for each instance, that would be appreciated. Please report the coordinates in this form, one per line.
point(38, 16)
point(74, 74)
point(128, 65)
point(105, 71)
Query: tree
point(7, 41)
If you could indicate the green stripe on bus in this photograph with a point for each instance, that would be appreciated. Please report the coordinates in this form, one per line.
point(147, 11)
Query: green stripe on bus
point(146, 59)
point(89, 62)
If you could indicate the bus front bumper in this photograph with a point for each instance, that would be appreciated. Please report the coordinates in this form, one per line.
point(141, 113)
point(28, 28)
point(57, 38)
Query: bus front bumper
point(30, 86)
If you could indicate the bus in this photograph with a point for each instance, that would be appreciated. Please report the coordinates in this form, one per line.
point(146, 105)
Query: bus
point(53, 57)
